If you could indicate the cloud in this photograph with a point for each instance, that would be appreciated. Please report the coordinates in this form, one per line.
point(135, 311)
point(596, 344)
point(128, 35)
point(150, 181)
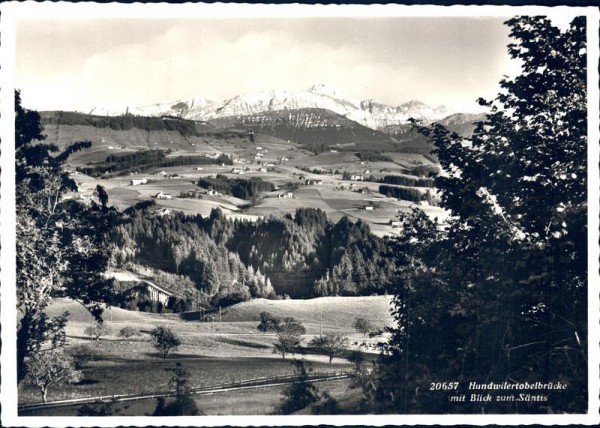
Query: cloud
point(186, 61)
point(141, 62)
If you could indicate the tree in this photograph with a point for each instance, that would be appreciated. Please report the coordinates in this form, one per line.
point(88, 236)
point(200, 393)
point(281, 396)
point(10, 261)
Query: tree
point(50, 367)
point(289, 336)
point(363, 326)
point(267, 322)
point(360, 379)
point(165, 340)
point(183, 405)
point(97, 330)
point(503, 287)
point(81, 355)
point(330, 344)
point(300, 393)
point(58, 250)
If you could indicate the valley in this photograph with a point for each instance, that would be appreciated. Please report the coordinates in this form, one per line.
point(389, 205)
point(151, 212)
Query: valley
point(336, 180)
point(286, 214)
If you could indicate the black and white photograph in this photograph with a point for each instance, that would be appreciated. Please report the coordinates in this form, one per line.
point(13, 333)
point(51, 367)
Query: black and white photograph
point(290, 214)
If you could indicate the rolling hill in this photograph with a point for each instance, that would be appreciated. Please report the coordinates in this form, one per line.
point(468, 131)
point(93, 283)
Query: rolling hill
point(335, 312)
point(317, 129)
point(124, 134)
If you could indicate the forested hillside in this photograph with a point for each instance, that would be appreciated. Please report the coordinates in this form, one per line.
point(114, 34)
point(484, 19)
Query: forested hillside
point(304, 255)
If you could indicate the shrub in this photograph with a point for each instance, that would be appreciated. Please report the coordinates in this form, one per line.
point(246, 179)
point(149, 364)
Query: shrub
point(268, 322)
point(97, 330)
point(128, 332)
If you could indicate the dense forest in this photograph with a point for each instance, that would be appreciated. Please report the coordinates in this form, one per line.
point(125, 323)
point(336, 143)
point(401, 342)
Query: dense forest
point(145, 160)
point(126, 122)
point(405, 193)
point(370, 156)
point(407, 181)
point(238, 187)
point(227, 261)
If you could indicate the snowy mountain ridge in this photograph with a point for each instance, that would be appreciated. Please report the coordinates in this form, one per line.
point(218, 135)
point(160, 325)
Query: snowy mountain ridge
point(370, 113)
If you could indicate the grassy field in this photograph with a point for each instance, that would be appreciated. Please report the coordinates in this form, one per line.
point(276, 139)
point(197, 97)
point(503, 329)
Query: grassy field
point(214, 353)
point(336, 313)
point(120, 376)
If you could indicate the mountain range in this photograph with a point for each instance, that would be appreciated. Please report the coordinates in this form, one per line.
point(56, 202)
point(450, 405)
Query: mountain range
point(369, 113)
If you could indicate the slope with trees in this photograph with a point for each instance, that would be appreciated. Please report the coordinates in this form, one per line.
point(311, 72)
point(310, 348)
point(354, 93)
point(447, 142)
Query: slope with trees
point(227, 261)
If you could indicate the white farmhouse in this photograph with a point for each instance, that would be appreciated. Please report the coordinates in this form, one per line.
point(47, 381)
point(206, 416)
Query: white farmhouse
point(138, 181)
point(161, 195)
point(163, 212)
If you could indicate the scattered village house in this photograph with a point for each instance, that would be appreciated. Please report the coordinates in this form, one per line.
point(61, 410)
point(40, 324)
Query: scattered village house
point(161, 195)
point(285, 195)
point(163, 212)
point(395, 223)
point(356, 177)
point(138, 181)
point(155, 293)
point(312, 181)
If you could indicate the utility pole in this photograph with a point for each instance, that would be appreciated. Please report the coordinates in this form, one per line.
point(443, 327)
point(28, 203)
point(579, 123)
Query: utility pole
point(321, 321)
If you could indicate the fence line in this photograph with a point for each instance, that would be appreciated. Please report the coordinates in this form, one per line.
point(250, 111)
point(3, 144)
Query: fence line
point(255, 383)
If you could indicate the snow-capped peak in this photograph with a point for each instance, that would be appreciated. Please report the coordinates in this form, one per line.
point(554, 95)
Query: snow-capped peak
point(370, 113)
point(322, 89)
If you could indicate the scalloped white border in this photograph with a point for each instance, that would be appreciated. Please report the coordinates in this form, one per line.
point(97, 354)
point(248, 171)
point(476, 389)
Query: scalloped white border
point(11, 12)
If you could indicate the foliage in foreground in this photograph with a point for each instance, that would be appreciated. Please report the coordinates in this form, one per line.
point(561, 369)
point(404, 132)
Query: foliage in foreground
point(503, 289)
point(183, 404)
point(60, 248)
point(300, 393)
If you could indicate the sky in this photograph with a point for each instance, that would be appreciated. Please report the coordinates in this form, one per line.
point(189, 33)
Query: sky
point(114, 63)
